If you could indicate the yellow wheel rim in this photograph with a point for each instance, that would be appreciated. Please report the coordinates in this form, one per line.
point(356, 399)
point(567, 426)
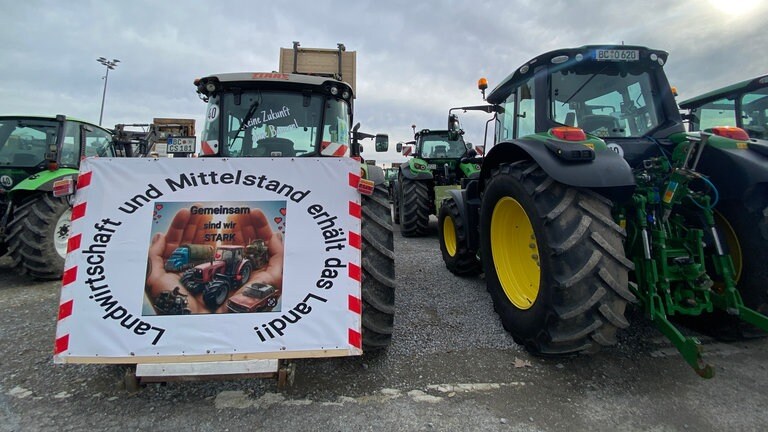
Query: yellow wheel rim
point(732, 240)
point(515, 253)
point(449, 236)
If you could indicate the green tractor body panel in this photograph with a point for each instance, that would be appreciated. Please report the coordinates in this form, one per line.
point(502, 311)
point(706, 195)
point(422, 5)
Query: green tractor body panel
point(43, 180)
point(444, 192)
point(574, 127)
point(416, 168)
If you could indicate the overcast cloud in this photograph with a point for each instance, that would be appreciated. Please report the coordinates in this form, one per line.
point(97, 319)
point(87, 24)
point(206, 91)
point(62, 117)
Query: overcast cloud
point(415, 59)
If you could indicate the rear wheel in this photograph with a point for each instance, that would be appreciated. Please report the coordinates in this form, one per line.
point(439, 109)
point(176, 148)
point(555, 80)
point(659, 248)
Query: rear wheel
point(245, 273)
point(395, 204)
point(414, 207)
point(378, 265)
point(554, 262)
point(37, 236)
point(745, 235)
point(458, 258)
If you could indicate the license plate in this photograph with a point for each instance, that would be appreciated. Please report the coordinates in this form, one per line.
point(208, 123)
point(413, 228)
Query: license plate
point(181, 145)
point(431, 166)
point(617, 55)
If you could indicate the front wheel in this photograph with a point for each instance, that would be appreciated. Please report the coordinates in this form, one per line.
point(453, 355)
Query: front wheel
point(454, 245)
point(554, 262)
point(37, 236)
point(378, 265)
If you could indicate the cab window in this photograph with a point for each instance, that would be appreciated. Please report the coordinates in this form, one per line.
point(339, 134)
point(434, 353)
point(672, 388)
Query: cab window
point(721, 112)
point(98, 143)
point(70, 145)
point(526, 116)
point(754, 113)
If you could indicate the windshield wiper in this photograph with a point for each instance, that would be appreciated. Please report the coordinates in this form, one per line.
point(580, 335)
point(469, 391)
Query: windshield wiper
point(584, 85)
point(246, 119)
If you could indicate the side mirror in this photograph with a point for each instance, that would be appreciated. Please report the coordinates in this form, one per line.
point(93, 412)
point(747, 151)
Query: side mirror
point(454, 127)
point(382, 142)
point(399, 147)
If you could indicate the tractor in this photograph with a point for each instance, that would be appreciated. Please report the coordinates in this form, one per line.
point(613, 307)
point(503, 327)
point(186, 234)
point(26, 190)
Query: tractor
point(318, 125)
point(743, 214)
point(437, 165)
point(39, 162)
point(594, 197)
point(229, 269)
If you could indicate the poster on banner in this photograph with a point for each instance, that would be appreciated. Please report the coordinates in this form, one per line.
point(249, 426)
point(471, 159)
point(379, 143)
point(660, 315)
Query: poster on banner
point(196, 258)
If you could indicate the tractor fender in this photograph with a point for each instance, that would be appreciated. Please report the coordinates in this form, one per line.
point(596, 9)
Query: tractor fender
point(740, 174)
point(458, 196)
point(43, 181)
point(406, 172)
point(608, 173)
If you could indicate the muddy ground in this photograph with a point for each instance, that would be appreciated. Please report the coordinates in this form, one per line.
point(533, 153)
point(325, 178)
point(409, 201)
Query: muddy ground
point(451, 367)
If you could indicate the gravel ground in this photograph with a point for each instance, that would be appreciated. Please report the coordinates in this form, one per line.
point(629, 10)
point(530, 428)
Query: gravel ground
point(451, 367)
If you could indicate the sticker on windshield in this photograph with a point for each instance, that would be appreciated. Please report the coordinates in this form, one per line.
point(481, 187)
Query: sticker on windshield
point(213, 112)
point(616, 148)
point(6, 181)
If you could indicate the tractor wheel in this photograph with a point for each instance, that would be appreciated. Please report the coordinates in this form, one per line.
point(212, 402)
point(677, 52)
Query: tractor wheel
point(396, 205)
point(554, 262)
point(748, 245)
point(458, 258)
point(190, 283)
point(215, 293)
point(414, 207)
point(378, 265)
point(37, 236)
point(745, 235)
point(245, 273)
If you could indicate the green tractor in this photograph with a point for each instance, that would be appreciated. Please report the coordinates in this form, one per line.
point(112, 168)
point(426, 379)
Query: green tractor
point(594, 197)
point(437, 165)
point(39, 162)
point(306, 116)
point(743, 213)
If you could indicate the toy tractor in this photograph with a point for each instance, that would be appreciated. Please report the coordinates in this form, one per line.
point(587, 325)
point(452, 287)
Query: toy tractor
point(229, 269)
point(437, 165)
point(594, 197)
point(187, 256)
point(318, 126)
point(39, 161)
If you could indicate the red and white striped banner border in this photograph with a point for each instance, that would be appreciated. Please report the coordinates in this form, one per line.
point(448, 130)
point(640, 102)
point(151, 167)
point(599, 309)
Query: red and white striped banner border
point(70, 273)
point(355, 304)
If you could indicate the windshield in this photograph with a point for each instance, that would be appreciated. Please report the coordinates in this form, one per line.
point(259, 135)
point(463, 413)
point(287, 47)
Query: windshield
point(439, 146)
point(608, 100)
point(277, 124)
point(23, 143)
point(754, 113)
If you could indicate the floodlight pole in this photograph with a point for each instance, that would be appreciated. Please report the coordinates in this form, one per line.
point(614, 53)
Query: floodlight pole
point(110, 65)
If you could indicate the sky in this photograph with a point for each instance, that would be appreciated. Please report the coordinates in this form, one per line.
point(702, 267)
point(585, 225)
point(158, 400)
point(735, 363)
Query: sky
point(415, 59)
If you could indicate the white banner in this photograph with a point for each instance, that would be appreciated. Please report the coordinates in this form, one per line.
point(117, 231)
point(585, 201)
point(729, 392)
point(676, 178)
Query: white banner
point(212, 259)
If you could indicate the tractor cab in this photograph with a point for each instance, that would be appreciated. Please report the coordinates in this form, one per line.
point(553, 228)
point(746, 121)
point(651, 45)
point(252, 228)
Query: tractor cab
point(743, 105)
point(279, 115)
point(29, 145)
point(618, 93)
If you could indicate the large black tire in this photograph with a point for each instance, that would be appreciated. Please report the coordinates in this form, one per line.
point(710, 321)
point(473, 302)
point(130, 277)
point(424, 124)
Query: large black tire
point(745, 237)
point(554, 262)
point(414, 207)
point(378, 265)
point(751, 230)
point(458, 258)
point(37, 236)
point(395, 204)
